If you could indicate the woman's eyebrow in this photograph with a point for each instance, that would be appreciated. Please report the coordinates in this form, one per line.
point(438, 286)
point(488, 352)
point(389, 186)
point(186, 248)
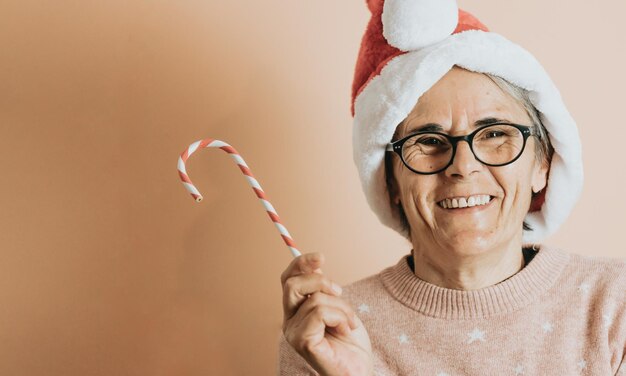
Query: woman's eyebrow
point(430, 127)
point(489, 120)
point(434, 127)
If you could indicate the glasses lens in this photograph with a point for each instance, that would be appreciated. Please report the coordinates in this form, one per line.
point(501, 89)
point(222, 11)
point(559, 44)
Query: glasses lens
point(498, 144)
point(427, 152)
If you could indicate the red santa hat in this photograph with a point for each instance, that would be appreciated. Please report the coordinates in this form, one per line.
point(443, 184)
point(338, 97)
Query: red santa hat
point(407, 47)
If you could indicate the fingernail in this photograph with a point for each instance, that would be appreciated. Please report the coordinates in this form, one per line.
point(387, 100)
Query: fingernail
point(336, 288)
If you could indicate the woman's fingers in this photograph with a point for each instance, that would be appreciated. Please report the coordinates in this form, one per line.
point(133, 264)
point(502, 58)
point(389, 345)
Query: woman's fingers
point(318, 323)
point(306, 263)
point(319, 301)
point(296, 289)
point(311, 303)
point(311, 325)
point(302, 278)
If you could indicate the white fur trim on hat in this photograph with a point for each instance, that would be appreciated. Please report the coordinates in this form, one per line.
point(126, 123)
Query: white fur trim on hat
point(413, 24)
point(389, 97)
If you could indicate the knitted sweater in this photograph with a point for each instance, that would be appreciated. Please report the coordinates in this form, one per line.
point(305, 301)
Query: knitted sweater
point(562, 314)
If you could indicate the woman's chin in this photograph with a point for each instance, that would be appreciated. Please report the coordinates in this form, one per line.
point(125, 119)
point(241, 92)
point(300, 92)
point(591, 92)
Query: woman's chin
point(469, 241)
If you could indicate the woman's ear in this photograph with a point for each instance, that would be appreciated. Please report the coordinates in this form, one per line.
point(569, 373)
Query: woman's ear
point(395, 196)
point(538, 185)
point(392, 185)
point(540, 176)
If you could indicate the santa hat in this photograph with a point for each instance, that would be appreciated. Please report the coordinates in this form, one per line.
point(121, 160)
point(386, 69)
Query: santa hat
point(407, 47)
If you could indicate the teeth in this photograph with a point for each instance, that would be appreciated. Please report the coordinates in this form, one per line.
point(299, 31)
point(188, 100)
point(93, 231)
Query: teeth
point(464, 202)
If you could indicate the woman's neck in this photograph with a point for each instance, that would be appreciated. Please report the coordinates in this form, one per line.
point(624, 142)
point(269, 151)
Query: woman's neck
point(470, 271)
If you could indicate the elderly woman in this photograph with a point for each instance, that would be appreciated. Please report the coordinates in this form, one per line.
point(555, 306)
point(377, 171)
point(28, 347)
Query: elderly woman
point(463, 146)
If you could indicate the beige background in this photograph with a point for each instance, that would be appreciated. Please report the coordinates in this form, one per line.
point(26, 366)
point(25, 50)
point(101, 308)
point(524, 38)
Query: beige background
point(108, 267)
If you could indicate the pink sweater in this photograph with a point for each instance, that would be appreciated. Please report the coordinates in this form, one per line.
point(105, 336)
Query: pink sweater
point(562, 314)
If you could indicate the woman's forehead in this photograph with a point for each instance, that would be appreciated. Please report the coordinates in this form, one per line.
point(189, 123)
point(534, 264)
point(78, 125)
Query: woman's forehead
point(461, 98)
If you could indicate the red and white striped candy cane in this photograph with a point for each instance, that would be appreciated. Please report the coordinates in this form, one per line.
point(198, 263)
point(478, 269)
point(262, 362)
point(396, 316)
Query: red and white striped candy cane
point(212, 143)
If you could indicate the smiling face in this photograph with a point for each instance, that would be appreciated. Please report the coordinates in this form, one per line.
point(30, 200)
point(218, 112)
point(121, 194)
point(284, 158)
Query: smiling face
point(501, 195)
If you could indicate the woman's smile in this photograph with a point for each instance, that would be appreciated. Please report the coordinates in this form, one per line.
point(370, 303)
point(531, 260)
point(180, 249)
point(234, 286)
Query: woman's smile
point(466, 204)
point(464, 201)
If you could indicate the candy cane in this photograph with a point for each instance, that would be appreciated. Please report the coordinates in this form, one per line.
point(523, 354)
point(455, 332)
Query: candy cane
point(212, 143)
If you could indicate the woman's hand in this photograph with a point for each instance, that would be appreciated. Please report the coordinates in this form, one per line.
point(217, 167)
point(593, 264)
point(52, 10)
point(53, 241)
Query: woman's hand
point(321, 326)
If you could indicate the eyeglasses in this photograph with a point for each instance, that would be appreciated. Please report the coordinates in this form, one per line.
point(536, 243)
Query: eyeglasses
point(432, 152)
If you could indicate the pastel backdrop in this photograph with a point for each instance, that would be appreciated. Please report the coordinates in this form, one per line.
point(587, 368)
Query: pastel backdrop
point(108, 267)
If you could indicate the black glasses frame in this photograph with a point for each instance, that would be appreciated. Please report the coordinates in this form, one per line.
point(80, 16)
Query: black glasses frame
point(396, 146)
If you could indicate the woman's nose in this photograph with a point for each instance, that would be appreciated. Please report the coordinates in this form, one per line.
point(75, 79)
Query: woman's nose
point(464, 162)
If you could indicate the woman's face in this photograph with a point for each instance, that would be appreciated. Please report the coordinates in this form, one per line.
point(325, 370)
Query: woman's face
point(457, 102)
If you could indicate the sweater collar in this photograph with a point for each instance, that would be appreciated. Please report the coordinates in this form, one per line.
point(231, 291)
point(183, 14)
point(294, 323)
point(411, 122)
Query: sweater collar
point(515, 292)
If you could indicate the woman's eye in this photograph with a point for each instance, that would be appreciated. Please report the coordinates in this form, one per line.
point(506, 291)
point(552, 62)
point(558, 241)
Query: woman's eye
point(492, 134)
point(429, 141)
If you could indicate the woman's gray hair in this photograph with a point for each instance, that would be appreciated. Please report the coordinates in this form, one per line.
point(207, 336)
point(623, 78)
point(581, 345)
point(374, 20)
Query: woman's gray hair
point(543, 148)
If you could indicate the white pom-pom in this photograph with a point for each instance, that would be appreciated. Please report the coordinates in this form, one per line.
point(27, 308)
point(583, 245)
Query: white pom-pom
point(413, 24)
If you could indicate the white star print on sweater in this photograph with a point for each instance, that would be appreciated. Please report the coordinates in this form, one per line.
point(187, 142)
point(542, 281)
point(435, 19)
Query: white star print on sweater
point(403, 338)
point(364, 308)
point(476, 335)
point(547, 327)
point(562, 314)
